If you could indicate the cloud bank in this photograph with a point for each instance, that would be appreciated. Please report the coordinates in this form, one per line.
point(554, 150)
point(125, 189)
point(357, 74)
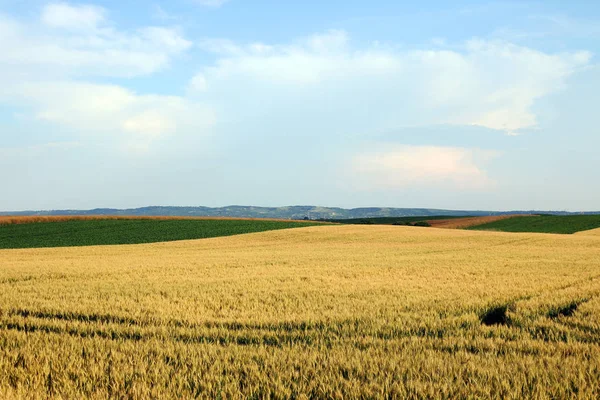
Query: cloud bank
point(316, 108)
point(492, 84)
point(50, 67)
point(403, 166)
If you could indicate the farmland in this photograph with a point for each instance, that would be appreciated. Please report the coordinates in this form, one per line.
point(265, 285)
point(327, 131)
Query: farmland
point(591, 232)
point(466, 222)
point(30, 232)
point(392, 220)
point(564, 224)
point(338, 311)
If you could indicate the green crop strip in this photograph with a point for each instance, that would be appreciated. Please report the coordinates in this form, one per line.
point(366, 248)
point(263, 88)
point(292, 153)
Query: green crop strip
point(543, 224)
point(134, 231)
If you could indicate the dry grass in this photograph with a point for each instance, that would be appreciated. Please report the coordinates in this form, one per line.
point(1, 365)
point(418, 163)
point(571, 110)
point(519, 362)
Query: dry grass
point(325, 312)
point(461, 223)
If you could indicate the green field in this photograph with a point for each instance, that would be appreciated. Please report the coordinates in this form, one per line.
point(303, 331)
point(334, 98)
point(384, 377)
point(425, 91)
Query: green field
point(543, 224)
point(389, 220)
point(128, 231)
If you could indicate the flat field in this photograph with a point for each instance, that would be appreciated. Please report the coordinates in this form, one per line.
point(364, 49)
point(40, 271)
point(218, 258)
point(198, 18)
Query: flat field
point(466, 222)
point(565, 224)
point(318, 312)
point(591, 232)
point(35, 232)
point(392, 220)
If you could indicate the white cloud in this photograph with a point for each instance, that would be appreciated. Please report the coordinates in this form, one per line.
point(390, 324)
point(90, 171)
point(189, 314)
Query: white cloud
point(79, 17)
point(314, 59)
point(152, 123)
point(78, 40)
point(211, 3)
point(198, 83)
point(113, 112)
point(404, 166)
point(165, 38)
point(42, 68)
point(489, 84)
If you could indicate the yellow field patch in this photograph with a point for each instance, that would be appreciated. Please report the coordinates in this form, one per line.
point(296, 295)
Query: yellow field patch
point(328, 311)
point(591, 232)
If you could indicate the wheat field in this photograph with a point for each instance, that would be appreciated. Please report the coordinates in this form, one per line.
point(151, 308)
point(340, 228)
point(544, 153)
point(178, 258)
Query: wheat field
point(590, 232)
point(318, 312)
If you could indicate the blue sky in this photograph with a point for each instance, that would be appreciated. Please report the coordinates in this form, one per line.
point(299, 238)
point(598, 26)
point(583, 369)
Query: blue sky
point(445, 104)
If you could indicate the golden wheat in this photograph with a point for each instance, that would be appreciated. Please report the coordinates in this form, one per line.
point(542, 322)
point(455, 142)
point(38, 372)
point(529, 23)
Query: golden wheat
point(590, 232)
point(328, 311)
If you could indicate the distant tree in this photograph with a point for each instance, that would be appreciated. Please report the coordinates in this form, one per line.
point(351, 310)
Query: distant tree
point(421, 223)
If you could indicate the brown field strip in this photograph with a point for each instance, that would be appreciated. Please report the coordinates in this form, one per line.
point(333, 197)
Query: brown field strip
point(460, 223)
point(337, 311)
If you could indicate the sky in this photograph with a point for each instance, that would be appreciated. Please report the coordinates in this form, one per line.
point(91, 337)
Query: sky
point(353, 103)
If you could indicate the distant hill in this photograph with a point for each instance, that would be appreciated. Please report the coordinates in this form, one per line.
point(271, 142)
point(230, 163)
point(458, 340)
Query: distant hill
point(290, 212)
